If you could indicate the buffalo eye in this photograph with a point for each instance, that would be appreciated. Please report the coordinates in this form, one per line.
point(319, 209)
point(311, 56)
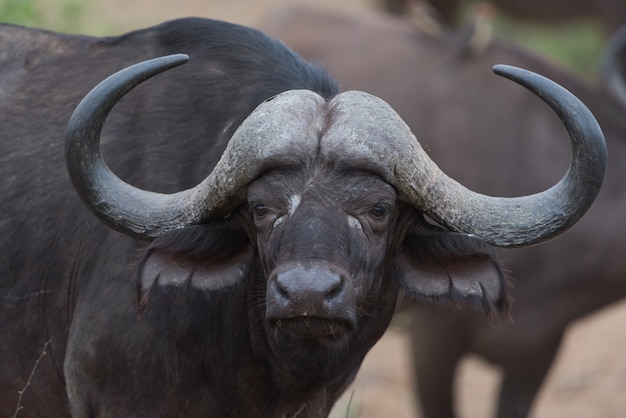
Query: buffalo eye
point(260, 211)
point(378, 212)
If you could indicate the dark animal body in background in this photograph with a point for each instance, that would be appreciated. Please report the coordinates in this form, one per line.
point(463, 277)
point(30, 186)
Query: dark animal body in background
point(610, 13)
point(263, 286)
point(613, 64)
point(473, 129)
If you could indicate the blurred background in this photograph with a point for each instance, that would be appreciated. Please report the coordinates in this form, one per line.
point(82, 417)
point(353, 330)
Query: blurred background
point(575, 42)
point(589, 378)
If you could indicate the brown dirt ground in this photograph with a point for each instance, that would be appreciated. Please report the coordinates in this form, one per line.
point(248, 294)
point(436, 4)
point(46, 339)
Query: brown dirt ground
point(587, 381)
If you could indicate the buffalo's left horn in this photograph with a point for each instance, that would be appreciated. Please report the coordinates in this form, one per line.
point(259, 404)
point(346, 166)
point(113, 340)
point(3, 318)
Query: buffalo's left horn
point(503, 222)
point(145, 214)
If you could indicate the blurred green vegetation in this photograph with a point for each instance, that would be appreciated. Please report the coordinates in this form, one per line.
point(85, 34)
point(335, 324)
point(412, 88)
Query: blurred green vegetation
point(576, 44)
point(62, 15)
point(19, 11)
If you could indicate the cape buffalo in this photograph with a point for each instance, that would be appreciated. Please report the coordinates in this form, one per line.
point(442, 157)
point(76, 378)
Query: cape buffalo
point(284, 217)
point(474, 130)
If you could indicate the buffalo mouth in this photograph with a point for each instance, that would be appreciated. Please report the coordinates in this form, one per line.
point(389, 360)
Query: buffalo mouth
point(312, 328)
point(311, 347)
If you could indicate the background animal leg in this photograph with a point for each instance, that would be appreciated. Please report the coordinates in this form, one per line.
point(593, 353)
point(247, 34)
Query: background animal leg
point(436, 352)
point(523, 377)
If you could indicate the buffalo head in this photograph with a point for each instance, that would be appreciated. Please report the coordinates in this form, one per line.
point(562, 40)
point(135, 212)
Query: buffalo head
point(317, 209)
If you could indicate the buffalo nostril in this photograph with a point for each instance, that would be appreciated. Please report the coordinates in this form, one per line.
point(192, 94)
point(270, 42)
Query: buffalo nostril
point(282, 287)
point(305, 283)
point(335, 290)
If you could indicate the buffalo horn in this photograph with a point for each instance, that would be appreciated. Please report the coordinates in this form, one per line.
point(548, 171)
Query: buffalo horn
point(145, 214)
point(503, 222)
point(278, 127)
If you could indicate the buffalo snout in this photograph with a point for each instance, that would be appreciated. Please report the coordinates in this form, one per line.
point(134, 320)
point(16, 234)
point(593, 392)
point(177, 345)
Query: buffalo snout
point(310, 295)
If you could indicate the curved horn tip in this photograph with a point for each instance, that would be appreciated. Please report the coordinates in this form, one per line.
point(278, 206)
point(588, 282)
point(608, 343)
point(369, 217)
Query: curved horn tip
point(147, 68)
point(175, 59)
point(163, 63)
point(536, 83)
point(510, 71)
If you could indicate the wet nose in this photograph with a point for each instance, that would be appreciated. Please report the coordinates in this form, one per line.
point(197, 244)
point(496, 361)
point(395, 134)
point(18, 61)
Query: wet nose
point(309, 284)
point(315, 292)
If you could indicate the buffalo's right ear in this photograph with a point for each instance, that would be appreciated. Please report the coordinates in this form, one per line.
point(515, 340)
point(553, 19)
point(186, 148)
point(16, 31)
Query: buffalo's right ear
point(438, 265)
point(207, 257)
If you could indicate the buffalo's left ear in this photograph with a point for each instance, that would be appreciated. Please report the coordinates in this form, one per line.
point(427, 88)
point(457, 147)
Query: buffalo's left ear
point(436, 264)
point(207, 257)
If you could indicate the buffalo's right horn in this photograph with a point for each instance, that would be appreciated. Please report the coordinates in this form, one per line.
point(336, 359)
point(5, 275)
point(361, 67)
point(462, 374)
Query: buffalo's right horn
point(291, 122)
